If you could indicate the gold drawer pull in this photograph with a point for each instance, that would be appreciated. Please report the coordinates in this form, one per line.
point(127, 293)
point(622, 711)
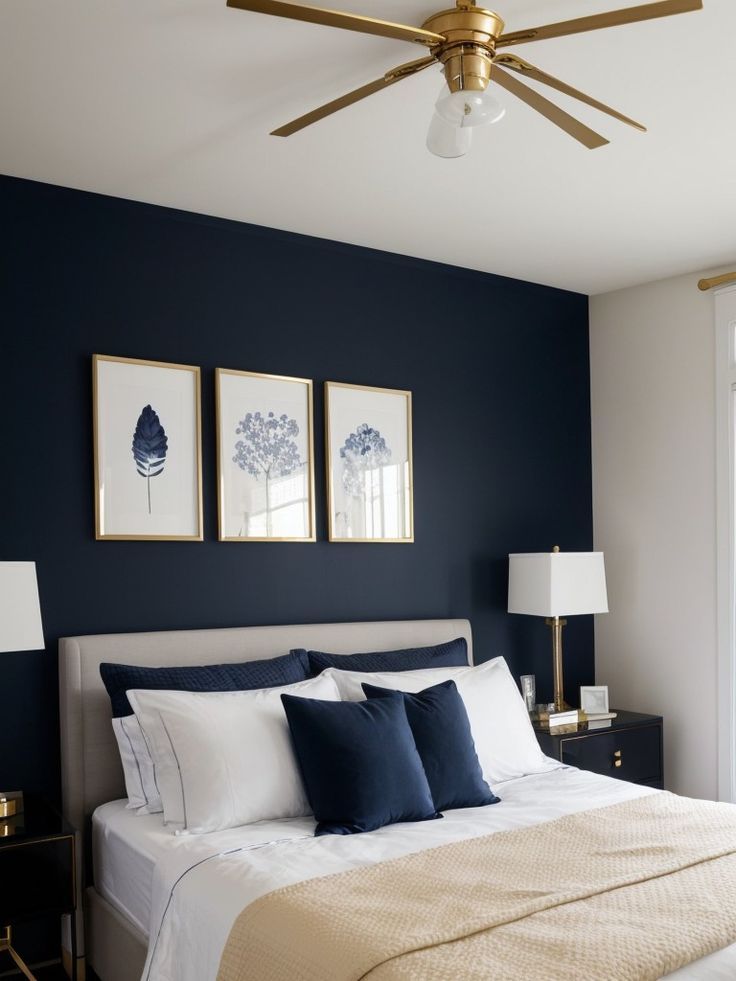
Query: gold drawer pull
point(617, 760)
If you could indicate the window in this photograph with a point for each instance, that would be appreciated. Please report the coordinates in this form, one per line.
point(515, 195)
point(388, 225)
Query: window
point(725, 315)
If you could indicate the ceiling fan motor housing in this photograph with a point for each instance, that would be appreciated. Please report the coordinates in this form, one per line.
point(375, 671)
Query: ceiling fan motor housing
point(467, 53)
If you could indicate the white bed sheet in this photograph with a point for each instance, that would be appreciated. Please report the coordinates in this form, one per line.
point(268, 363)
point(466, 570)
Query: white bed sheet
point(202, 882)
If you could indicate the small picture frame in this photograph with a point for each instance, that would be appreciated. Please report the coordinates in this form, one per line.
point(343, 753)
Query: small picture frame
point(265, 454)
point(370, 484)
point(147, 450)
point(594, 699)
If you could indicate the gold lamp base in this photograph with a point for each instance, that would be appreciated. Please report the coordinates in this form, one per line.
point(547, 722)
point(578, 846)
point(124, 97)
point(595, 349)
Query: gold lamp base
point(556, 624)
point(6, 946)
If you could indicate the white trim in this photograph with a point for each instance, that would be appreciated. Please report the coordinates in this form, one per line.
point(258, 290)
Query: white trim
point(725, 348)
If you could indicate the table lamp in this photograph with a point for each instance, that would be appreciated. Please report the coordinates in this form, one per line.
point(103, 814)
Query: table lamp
point(20, 630)
point(555, 585)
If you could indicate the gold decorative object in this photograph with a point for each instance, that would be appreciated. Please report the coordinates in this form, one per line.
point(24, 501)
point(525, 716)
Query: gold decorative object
point(11, 813)
point(465, 41)
point(8, 807)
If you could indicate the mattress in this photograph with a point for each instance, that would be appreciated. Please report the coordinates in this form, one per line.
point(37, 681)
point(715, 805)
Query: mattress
point(125, 849)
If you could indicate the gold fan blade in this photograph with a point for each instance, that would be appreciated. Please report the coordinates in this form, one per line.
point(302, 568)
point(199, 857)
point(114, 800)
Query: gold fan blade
point(614, 18)
point(558, 116)
point(516, 64)
point(336, 18)
point(391, 77)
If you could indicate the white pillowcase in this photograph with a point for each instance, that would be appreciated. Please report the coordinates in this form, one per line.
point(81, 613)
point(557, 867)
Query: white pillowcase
point(224, 759)
point(140, 780)
point(503, 735)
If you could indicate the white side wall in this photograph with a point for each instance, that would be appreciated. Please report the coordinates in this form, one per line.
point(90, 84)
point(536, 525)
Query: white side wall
point(653, 433)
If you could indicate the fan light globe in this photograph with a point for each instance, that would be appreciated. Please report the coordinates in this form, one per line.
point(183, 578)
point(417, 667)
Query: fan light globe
point(469, 108)
point(446, 140)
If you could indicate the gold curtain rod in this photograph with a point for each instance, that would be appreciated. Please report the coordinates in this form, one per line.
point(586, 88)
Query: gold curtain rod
point(709, 284)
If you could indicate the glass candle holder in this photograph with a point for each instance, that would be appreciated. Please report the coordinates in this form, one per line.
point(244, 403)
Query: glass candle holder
point(529, 691)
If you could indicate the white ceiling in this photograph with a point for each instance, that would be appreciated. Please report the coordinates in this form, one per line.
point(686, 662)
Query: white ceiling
point(171, 102)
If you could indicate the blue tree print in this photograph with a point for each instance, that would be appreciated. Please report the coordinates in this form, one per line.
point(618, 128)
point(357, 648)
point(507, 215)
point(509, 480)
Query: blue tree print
point(365, 449)
point(268, 449)
point(150, 445)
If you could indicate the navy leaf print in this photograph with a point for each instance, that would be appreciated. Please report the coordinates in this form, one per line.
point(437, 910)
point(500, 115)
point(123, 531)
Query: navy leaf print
point(150, 446)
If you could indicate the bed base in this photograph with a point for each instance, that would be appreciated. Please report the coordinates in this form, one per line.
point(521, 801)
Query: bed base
point(115, 947)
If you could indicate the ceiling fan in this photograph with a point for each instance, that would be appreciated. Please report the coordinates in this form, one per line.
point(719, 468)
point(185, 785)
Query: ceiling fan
point(470, 45)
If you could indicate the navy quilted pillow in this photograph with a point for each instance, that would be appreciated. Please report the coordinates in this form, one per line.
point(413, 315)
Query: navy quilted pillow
point(453, 654)
point(270, 672)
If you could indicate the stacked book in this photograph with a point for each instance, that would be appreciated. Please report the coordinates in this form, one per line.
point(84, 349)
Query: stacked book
point(600, 720)
point(566, 721)
point(570, 719)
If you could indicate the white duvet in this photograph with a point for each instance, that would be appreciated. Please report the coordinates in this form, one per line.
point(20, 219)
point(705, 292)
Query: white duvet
point(204, 881)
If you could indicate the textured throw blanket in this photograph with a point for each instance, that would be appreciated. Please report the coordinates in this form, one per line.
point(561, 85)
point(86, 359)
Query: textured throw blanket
point(631, 891)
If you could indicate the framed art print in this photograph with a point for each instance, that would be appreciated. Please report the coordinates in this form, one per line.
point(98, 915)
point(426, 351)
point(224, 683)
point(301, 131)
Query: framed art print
point(265, 455)
point(147, 447)
point(370, 484)
point(594, 699)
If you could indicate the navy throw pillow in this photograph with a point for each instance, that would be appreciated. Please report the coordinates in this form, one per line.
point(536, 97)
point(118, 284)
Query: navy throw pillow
point(360, 766)
point(441, 730)
point(453, 654)
point(267, 673)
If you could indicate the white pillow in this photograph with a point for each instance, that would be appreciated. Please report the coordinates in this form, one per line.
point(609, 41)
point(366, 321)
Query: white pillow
point(503, 735)
point(349, 683)
point(224, 759)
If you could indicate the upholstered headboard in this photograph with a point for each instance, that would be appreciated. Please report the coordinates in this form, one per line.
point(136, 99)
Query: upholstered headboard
point(90, 765)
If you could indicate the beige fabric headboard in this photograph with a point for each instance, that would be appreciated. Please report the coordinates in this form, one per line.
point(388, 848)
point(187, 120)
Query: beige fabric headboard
point(90, 766)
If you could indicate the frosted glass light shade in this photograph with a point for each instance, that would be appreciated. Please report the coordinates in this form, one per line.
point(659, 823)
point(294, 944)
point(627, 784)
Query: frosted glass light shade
point(446, 140)
point(469, 108)
point(557, 584)
point(20, 611)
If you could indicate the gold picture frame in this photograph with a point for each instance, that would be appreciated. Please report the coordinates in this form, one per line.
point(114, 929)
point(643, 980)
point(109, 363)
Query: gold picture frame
point(247, 404)
point(371, 503)
point(132, 437)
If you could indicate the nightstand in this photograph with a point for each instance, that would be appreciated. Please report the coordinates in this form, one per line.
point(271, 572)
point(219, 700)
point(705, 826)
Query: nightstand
point(630, 749)
point(37, 873)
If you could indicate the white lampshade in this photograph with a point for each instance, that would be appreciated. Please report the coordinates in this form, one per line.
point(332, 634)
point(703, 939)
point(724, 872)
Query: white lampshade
point(557, 584)
point(20, 611)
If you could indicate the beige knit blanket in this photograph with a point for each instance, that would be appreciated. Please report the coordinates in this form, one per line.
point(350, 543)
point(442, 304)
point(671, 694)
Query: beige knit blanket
point(631, 891)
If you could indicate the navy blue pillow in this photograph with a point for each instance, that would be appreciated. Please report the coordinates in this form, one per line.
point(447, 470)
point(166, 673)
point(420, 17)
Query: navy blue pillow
point(441, 730)
point(453, 654)
point(360, 766)
point(267, 673)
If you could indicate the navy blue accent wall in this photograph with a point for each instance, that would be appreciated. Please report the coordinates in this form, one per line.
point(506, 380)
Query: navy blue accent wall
point(499, 372)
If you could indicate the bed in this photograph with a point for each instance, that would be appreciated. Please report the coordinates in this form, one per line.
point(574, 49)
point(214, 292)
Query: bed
point(162, 906)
